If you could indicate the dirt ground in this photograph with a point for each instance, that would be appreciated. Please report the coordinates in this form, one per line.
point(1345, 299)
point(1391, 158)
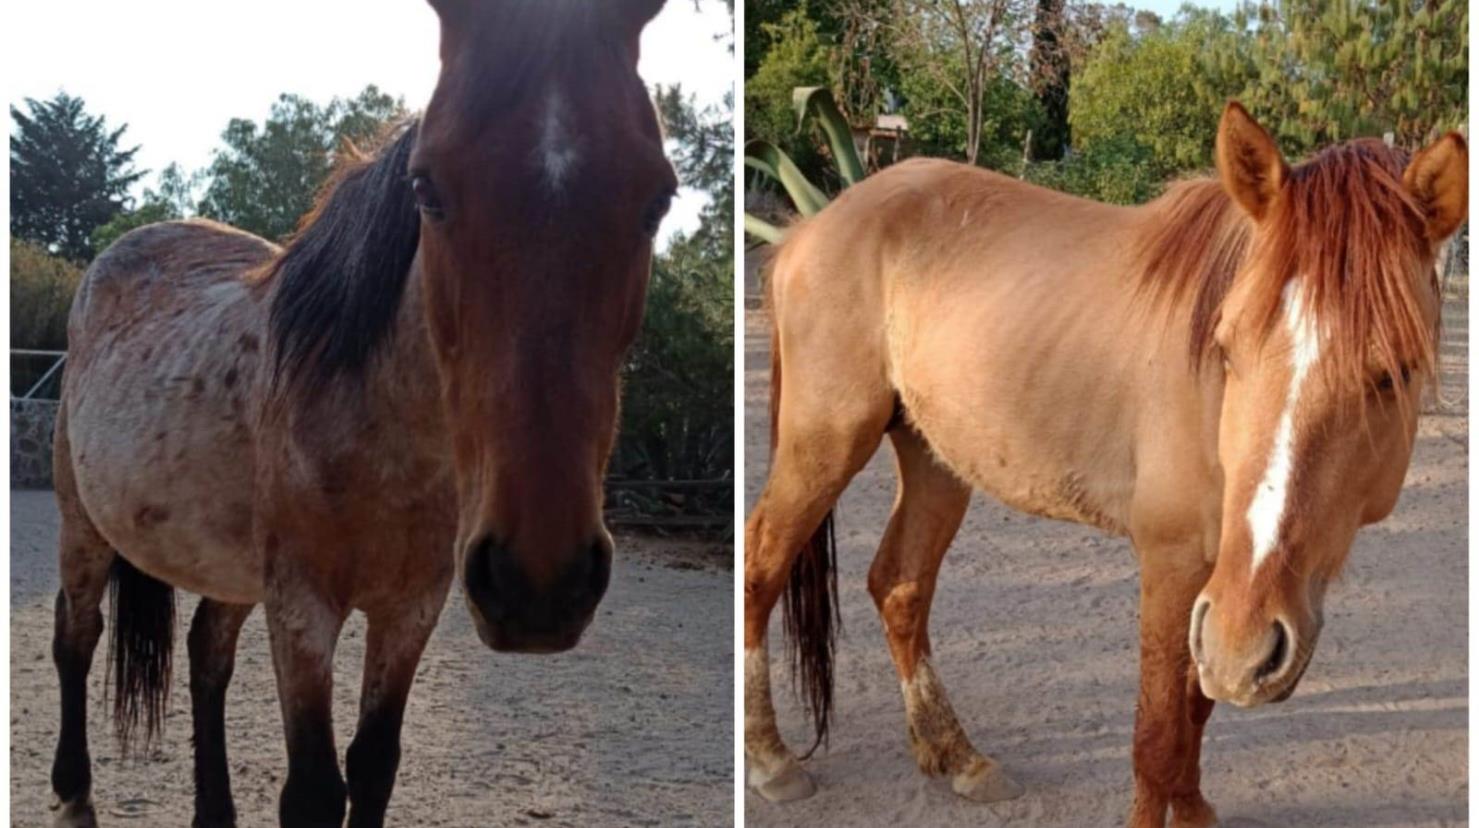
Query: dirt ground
point(633, 727)
point(1034, 631)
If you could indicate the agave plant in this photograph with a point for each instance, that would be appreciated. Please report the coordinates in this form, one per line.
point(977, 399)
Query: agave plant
point(771, 160)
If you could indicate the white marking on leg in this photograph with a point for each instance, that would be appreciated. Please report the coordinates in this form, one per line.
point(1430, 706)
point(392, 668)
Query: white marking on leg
point(556, 152)
point(1270, 499)
point(773, 770)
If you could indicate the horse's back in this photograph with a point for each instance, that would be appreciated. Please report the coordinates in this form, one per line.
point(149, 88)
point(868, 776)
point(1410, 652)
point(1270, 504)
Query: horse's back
point(990, 306)
point(164, 363)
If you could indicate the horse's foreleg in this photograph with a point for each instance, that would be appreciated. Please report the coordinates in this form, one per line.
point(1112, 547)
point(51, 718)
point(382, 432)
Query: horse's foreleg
point(928, 509)
point(393, 648)
point(304, 626)
point(1171, 710)
point(212, 645)
point(85, 561)
point(807, 475)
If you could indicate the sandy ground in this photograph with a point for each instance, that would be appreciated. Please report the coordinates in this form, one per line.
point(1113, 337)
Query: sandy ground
point(633, 727)
point(1034, 630)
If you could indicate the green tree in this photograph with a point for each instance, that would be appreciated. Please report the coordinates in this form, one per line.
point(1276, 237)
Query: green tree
point(797, 57)
point(1154, 90)
point(1320, 71)
point(148, 212)
point(938, 126)
point(266, 177)
point(173, 200)
point(68, 174)
point(1050, 79)
point(965, 47)
point(678, 406)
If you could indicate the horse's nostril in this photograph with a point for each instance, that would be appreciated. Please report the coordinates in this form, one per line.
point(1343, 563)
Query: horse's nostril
point(482, 574)
point(1279, 656)
point(599, 573)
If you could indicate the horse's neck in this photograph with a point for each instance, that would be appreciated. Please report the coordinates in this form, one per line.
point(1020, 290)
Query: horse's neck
point(1178, 416)
point(404, 382)
point(393, 418)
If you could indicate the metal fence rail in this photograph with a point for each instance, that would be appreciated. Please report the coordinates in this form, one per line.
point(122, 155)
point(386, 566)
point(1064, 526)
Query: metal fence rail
point(44, 381)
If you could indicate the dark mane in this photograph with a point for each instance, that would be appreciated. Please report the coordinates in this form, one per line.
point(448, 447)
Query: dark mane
point(338, 285)
point(1345, 224)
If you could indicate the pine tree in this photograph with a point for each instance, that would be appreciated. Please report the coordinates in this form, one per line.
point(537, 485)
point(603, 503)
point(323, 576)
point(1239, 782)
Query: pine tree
point(67, 175)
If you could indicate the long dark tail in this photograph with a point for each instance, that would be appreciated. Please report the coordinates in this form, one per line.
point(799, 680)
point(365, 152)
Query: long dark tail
point(140, 652)
point(810, 615)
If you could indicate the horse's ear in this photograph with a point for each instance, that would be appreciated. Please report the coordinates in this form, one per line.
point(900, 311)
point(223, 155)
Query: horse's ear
point(1438, 177)
point(634, 15)
point(453, 12)
point(1249, 162)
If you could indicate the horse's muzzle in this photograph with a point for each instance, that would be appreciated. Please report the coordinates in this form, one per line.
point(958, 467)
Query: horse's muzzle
point(512, 614)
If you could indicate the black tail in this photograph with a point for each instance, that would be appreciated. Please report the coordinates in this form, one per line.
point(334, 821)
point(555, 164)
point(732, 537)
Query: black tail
point(811, 624)
point(140, 652)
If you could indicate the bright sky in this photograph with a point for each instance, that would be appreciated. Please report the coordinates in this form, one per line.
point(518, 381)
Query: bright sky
point(177, 70)
point(1168, 8)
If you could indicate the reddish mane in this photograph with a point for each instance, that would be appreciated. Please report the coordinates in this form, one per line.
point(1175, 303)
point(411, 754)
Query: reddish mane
point(1344, 223)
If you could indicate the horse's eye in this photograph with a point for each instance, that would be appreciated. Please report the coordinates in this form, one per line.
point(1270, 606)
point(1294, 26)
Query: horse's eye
point(653, 216)
point(427, 199)
point(1387, 383)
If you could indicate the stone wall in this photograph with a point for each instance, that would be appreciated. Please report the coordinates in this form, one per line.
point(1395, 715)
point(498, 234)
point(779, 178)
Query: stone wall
point(31, 423)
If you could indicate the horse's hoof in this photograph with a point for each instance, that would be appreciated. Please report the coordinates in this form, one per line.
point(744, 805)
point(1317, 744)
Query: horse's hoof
point(78, 813)
point(1199, 815)
point(791, 784)
point(986, 782)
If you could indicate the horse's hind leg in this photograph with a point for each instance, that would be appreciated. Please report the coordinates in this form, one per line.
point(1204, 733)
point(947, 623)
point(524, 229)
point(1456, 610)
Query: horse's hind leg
point(393, 647)
point(85, 561)
point(928, 509)
point(815, 458)
point(212, 643)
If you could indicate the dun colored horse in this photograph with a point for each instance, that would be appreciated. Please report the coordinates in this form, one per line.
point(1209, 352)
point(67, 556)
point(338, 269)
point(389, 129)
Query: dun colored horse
point(1229, 375)
point(423, 383)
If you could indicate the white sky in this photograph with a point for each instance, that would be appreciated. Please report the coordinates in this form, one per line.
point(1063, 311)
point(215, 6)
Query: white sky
point(177, 70)
point(1168, 8)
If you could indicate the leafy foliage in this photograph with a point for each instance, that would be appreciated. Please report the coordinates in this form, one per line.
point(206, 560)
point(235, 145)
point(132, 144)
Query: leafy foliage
point(41, 289)
point(173, 200)
point(265, 178)
point(773, 162)
point(1152, 95)
point(797, 57)
point(678, 402)
point(1321, 71)
point(68, 175)
point(147, 213)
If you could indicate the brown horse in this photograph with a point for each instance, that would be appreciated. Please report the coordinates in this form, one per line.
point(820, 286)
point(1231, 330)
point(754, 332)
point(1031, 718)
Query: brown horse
point(1229, 375)
point(423, 382)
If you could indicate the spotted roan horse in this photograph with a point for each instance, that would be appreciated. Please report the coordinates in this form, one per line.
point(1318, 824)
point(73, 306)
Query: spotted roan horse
point(422, 383)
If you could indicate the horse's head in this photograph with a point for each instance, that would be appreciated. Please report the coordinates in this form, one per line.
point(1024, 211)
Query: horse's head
point(541, 179)
point(1327, 334)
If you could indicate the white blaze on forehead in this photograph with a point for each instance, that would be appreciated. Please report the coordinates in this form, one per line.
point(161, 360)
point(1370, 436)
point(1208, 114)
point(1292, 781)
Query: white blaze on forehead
point(556, 152)
point(1270, 500)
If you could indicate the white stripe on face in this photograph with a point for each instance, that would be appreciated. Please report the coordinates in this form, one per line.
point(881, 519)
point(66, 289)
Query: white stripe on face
point(1266, 512)
point(556, 153)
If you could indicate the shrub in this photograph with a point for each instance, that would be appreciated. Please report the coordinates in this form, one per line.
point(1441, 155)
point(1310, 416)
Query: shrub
point(41, 289)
